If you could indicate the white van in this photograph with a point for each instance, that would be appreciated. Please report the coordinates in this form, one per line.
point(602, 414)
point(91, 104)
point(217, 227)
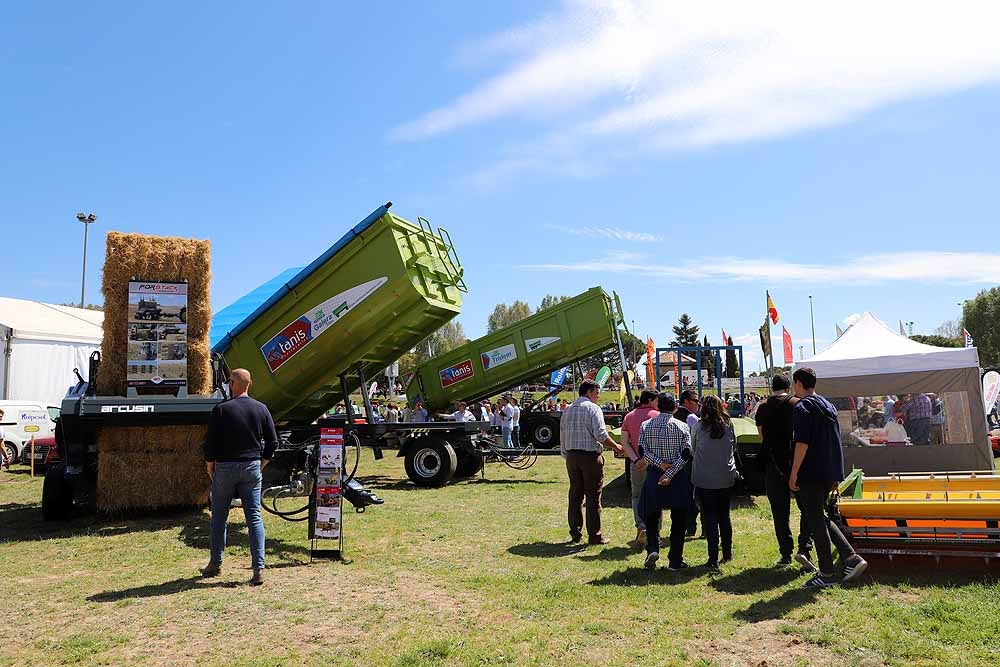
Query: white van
point(23, 419)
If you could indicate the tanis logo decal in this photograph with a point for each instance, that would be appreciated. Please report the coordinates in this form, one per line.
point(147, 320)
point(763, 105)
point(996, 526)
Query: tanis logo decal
point(456, 373)
point(293, 338)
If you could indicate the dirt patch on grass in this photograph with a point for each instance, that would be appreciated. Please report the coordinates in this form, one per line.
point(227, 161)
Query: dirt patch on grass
point(765, 644)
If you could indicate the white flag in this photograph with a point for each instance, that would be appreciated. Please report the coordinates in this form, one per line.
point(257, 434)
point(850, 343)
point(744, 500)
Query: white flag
point(968, 338)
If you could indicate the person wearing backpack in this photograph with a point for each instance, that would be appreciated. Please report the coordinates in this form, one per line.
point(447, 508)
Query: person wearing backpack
point(774, 424)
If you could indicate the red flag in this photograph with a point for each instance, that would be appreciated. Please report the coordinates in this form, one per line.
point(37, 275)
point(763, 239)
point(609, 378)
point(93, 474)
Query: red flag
point(786, 339)
point(725, 338)
point(771, 310)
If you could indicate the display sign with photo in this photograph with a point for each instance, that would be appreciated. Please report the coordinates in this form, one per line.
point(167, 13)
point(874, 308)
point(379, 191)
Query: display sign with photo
point(157, 334)
point(327, 493)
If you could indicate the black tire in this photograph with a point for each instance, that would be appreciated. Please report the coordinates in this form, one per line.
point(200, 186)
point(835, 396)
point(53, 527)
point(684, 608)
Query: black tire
point(183, 315)
point(12, 454)
point(545, 435)
point(57, 494)
point(469, 464)
point(430, 462)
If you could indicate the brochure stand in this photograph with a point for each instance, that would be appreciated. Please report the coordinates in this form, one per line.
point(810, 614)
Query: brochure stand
point(326, 503)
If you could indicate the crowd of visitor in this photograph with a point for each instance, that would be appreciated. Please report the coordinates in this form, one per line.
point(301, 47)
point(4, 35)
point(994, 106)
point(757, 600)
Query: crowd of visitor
point(682, 460)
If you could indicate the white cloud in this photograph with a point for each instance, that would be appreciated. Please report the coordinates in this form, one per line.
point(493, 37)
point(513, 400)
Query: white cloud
point(610, 233)
point(918, 267)
point(613, 76)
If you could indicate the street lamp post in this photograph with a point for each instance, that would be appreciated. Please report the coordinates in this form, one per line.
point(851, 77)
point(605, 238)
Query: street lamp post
point(800, 353)
point(812, 322)
point(86, 219)
point(909, 328)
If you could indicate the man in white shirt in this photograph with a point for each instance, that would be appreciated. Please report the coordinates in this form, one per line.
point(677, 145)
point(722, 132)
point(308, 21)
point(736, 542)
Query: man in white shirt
point(4, 460)
point(461, 415)
point(506, 419)
point(515, 425)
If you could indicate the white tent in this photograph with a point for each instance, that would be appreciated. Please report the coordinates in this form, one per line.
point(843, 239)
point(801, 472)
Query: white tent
point(870, 359)
point(42, 344)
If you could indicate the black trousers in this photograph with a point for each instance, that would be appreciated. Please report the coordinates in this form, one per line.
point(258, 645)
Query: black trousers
point(678, 526)
point(715, 522)
point(812, 498)
point(779, 496)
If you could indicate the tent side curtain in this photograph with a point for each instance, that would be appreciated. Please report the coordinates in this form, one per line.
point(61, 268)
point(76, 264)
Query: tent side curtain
point(939, 381)
point(42, 370)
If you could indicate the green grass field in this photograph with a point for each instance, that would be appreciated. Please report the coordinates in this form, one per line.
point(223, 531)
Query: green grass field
point(478, 573)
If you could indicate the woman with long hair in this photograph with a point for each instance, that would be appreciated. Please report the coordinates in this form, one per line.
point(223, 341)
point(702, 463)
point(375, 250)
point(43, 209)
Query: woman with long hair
point(713, 444)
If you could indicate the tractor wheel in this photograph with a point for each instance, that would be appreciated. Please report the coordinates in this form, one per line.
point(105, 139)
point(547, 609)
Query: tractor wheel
point(469, 464)
point(430, 462)
point(57, 494)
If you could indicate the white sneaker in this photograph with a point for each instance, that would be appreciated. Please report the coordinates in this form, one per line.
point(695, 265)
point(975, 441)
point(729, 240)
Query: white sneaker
point(651, 559)
point(855, 570)
point(802, 558)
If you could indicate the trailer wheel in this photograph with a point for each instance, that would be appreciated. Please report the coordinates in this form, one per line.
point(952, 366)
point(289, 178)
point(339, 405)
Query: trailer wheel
point(57, 494)
point(430, 462)
point(469, 464)
point(545, 435)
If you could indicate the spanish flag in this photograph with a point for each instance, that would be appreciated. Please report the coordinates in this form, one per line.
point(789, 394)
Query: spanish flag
point(771, 310)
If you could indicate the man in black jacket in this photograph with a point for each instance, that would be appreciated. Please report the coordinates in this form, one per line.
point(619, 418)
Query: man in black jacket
point(774, 424)
point(241, 440)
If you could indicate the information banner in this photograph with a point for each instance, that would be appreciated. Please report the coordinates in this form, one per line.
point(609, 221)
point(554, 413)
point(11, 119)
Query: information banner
point(157, 334)
point(328, 491)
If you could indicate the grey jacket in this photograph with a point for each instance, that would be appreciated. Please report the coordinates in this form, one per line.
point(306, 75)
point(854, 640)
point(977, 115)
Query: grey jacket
point(714, 465)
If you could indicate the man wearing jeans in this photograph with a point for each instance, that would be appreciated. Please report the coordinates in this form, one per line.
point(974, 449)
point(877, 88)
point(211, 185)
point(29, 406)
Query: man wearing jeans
point(630, 443)
point(241, 439)
point(817, 468)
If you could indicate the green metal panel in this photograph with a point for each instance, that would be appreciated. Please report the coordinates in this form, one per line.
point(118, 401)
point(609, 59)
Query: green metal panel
point(383, 292)
point(574, 329)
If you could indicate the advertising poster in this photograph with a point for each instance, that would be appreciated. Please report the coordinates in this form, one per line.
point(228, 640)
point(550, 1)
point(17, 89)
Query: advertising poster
point(328, 492)
point(157, 334)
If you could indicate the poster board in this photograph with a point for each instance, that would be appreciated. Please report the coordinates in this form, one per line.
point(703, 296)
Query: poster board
point(157, 335)
point(326, 526)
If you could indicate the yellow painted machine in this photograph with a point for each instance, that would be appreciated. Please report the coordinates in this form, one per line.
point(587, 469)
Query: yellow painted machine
point(922, 514)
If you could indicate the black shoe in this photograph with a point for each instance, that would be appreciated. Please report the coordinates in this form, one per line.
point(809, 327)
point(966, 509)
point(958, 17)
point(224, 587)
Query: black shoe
point(258, 578)
point(726, 558)
point(854, 568)
point(674, 567)
point(211, 570)
point(651, 558)
point(784, 561)
point(575, 537)
point(599, 540)
point(712, 565)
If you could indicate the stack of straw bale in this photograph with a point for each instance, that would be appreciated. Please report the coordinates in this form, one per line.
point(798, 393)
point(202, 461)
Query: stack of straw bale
point(145, 467)
point(155, 258)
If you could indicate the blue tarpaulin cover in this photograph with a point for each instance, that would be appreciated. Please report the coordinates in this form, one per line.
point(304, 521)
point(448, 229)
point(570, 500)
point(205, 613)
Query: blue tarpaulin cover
point(229, 317)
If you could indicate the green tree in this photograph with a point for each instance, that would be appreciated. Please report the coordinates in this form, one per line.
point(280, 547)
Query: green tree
point(685, 332)
point(981, 317)
point(937, 340)
point(732, 365)
point(504, 315)
point(708, 360)
point(445, 339)
point(548, 301)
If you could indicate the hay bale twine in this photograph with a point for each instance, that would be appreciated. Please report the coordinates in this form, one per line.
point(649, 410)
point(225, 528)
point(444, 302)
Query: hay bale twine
point(155, 258)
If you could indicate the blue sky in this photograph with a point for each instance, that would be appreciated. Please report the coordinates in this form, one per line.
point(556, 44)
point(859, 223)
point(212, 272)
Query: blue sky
point(687, 158)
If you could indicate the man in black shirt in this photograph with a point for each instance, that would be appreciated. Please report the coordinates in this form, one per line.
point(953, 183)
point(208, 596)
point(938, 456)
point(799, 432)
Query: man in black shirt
point(774, 424)
point(241, 440)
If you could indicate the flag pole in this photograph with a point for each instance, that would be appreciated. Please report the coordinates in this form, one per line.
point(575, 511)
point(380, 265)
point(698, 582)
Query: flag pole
point(767, 322)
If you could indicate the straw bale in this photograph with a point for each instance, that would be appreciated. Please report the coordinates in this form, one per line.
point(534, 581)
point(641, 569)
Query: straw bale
point(151, 467)
point(155, 258)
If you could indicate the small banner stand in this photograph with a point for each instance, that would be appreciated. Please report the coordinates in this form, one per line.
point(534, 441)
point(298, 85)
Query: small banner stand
point(326, 504)
point(157, 338)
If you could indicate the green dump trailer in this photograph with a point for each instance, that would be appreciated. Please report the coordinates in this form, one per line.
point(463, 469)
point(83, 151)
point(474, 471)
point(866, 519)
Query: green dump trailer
point(572, 330)
point(380, 290)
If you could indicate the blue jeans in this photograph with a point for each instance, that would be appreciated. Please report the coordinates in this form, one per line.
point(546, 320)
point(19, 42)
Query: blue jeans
point(515, 436)
point(232, 479)
point(506, 436)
